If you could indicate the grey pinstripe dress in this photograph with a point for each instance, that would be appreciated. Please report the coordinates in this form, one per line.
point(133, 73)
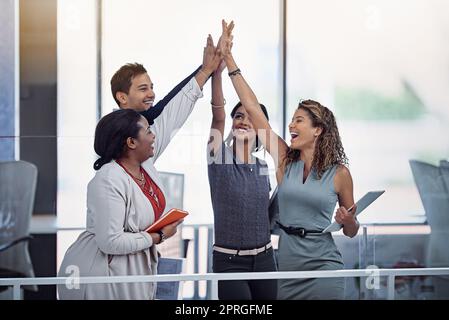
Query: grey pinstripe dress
point(308, 205)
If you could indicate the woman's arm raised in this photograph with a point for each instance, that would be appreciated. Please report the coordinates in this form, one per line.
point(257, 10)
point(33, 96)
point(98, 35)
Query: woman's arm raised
point(218, 112)
point(274, 144)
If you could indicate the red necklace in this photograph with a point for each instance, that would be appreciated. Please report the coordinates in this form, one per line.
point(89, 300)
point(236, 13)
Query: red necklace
point(148, 187)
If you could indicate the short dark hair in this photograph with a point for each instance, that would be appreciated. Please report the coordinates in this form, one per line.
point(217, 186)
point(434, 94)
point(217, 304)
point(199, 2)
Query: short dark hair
point(111, 134)
point(265, 112)
point(122, 78)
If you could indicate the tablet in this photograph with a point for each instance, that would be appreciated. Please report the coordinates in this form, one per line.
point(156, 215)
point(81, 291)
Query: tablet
point(362, 204)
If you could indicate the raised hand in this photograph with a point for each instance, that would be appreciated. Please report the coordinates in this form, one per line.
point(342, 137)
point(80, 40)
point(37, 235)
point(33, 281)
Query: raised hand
point(225, 41)
point(212, 57)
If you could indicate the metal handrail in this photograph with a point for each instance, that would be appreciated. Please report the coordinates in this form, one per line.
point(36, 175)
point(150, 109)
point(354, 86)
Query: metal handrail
point(16, 283)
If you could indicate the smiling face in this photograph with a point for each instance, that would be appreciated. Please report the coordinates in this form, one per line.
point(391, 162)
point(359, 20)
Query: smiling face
point(242, 127)
point(143, 145)
point(140, 96)
point(303, 133)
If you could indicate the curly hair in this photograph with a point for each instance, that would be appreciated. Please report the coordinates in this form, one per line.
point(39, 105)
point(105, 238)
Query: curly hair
point(329, 150)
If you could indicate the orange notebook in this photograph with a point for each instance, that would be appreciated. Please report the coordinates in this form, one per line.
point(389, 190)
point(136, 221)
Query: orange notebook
point(170, 216)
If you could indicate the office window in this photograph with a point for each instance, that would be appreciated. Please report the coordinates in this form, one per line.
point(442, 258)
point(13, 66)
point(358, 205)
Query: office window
point(383, 73)
point(77, 113)
point(8, 80)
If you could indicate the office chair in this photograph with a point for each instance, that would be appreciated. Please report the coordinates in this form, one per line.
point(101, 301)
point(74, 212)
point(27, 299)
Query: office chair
point(17, 190)
point(432, 188)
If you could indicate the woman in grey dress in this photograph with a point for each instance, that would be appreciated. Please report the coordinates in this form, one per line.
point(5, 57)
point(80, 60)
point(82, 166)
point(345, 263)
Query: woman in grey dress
point(312, 177)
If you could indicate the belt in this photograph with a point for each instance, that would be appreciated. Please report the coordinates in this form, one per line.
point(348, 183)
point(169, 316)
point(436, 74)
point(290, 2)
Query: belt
point(248, 252)
point(301, 232)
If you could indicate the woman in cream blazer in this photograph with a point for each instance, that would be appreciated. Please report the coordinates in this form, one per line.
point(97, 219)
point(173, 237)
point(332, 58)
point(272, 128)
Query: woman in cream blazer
point(118, 212)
